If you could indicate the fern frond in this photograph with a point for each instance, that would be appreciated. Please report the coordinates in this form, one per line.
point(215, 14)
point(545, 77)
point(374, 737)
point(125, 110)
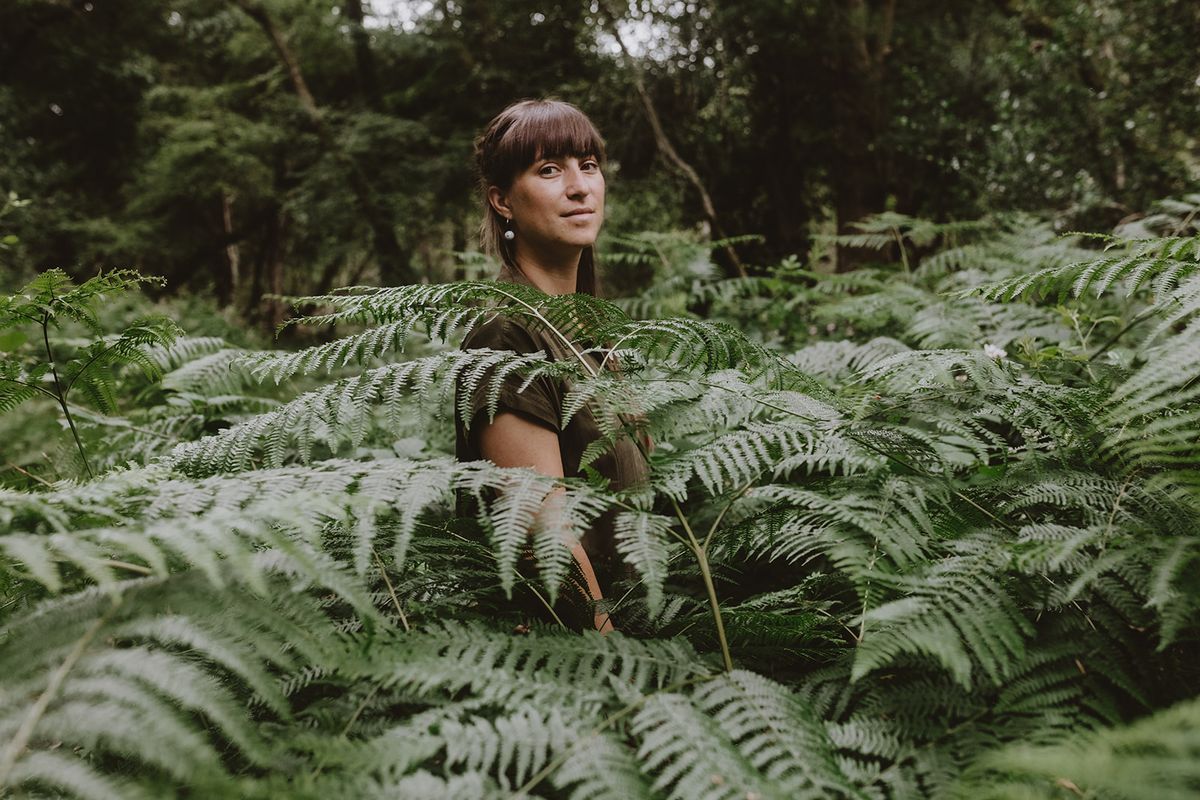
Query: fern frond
point(209, 374)
point(776, 732)
point(956, 616)
point(760, 450)
point(218, 544)
point(17, 385)
point(338, 412)
point(600, 767)
point(362, 348)
point(511, 747)
point(541, 668)
point(59, 771)
point(692, 757)
point(426, 786)
point(1159, 263)
point(127, 692)
point(642, 540)
point(1158, 756)
point(91, 373)
point(854, 528)
point(838, 360)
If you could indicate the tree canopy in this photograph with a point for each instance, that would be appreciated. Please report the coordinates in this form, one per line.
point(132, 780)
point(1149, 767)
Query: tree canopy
point(239, 148)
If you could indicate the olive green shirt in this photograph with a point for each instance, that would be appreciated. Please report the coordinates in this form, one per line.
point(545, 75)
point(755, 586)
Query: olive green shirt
point(541, 402)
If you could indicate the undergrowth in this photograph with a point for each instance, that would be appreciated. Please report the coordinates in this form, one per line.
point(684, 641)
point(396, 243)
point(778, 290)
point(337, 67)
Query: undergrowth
point(926, 529)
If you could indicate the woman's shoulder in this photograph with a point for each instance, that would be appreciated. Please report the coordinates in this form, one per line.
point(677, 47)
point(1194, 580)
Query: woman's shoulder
point(505, 332)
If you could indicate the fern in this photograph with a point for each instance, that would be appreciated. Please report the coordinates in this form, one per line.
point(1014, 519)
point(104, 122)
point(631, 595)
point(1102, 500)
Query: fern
point(51, 300)
point(1154, 757)
point(1159, 263)
point(905, 534)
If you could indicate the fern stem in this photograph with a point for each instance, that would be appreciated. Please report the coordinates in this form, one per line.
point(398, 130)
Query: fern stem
point(862, 622)
point(27, 385)
point(562, 336)
point(614, 349)
point(716, 523)
point(358, 711)
point(608, 722)
point(1145, 315)
point(38, 709)
point(1083, 342)
point(391, 591)
point(549, 607)
point(60, 395)
point(903, 252)
point(849, 631)
point(345, 729)
point(1116, 506)
point(125, 565)
point(30, 475)
point(706, 573)
point(88, 363)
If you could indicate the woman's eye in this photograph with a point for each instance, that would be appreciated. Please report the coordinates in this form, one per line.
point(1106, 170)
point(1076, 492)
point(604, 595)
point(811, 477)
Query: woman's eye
point(591, 165)
point(548, 169)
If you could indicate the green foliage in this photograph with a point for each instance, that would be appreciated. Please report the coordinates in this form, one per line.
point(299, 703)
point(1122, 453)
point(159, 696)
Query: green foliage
point(1154, 757)
point(51, 301)
point(934, 537)
point(189, 150)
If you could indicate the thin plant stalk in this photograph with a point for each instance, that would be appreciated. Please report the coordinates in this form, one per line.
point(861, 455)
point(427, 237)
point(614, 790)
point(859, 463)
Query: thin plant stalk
point(61, 396)
point(701, 553)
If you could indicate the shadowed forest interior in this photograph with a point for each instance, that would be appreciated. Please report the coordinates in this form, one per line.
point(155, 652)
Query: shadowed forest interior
point(906, 295)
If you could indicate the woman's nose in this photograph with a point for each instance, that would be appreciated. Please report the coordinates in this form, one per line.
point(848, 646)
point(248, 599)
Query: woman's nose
point(577, 185)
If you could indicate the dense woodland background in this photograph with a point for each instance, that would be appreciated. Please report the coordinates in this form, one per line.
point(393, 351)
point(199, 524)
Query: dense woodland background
point(177, 138)
point(907, 296)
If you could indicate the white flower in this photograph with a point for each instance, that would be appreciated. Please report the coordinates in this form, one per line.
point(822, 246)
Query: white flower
point(991, 351)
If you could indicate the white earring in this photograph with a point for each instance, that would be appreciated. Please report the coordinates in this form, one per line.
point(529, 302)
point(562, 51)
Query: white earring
point(509, 234)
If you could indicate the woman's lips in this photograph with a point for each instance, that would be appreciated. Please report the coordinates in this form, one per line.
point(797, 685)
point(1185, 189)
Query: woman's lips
point(579, 212)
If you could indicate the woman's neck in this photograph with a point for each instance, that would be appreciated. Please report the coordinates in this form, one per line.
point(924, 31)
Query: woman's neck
point(553, 273)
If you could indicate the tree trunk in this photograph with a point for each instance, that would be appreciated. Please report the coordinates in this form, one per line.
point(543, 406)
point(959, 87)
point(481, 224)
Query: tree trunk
point(276, 272)
point(364, 59)
point(233, 256)
point(859, 180)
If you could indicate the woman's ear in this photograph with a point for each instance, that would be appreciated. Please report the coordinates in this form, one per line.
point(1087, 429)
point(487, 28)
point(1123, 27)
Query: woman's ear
point(498, 200)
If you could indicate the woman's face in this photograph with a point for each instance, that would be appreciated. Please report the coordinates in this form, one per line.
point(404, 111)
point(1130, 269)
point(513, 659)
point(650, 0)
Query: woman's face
point(556, 203)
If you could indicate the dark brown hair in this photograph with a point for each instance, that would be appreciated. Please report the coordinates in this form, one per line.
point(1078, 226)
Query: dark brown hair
point(519, 135)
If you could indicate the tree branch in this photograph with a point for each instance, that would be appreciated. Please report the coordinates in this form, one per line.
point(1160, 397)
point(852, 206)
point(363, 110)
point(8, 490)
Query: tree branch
point(664, 143)
point(255, 11)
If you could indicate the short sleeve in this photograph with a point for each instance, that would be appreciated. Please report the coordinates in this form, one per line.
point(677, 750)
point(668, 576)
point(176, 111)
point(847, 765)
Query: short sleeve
point(539, 402)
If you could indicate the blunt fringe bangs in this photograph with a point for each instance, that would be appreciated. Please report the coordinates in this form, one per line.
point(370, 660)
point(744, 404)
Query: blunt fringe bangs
point(532, 129)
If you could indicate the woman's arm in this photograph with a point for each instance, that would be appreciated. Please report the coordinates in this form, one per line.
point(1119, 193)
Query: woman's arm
point(514, 441)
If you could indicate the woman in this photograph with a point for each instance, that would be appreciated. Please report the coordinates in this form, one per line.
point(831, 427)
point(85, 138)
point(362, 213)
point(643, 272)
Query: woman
point(540, 164)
